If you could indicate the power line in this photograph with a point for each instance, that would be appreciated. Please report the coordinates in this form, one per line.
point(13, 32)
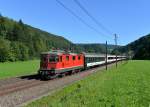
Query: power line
point(94, 19)
point(79, 18)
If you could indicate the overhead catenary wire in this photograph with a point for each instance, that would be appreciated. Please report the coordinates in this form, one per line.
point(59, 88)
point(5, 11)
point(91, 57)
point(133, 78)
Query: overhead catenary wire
point(93, 18)
point(80, 19)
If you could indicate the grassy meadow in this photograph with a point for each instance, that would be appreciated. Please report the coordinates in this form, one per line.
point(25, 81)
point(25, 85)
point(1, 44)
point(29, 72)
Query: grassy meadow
point(13, 69)
point(126, 86)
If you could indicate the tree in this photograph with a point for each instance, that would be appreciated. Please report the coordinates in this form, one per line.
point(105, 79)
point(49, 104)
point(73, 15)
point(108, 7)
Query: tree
point(17, 34)
point(2, 26)
point(15, 51)
point(4, 49)
point(24, 51)
point(21, 22)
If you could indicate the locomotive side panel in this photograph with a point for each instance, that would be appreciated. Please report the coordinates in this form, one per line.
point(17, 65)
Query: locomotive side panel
point(54, 64)
point(70, 62)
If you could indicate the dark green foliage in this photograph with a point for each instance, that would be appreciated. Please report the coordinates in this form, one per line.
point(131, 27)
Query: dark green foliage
point(15, 50)
point(139, 49)
point(4, 50)
point(19, 41)
point(95, 48)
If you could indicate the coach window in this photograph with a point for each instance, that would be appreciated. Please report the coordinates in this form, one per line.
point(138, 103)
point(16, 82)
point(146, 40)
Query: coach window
point(101, 59)
point(74, 58)
point(96, 59)
point(87, 59)
point(67, 58)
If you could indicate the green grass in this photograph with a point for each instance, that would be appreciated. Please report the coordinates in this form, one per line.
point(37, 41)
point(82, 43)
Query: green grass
point(127, 86)
point(13, 69)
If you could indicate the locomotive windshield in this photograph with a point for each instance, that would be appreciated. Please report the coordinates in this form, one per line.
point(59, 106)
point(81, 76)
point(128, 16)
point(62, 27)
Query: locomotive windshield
point(53, 59)
point(44, 58)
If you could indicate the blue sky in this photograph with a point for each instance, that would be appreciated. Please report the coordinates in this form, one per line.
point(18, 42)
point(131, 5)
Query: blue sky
point(130, 19)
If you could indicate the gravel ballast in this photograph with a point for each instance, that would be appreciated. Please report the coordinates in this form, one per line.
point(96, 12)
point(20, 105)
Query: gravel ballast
point(25, 96)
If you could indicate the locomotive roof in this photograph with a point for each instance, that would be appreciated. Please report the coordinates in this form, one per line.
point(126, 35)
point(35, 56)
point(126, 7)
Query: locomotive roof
point(58, 53)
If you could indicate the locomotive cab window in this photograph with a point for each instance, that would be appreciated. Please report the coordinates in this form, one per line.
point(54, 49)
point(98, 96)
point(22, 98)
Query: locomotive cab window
point(44, 58)
point(53, 59)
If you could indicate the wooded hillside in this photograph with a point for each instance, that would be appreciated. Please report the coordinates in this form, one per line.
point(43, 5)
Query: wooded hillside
point(139, 49)
point(19, 41)
point(96, 48)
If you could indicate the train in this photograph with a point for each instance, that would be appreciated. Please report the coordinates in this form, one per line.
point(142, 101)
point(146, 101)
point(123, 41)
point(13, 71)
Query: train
point(58, 63)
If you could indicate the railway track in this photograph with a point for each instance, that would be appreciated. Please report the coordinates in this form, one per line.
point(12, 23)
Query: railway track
point(7, 81)
point(28, 88)
point(20, 85)
point(11, 85)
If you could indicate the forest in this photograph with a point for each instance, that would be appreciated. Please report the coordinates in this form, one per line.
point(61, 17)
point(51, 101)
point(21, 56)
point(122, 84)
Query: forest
point(19, 42)
point(139, 49)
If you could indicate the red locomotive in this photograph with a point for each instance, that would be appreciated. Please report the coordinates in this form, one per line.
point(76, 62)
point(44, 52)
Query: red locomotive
point(57, 63)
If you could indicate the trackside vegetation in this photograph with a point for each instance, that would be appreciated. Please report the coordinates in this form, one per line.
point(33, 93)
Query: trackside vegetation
point(126, 86)
point(19, 68)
